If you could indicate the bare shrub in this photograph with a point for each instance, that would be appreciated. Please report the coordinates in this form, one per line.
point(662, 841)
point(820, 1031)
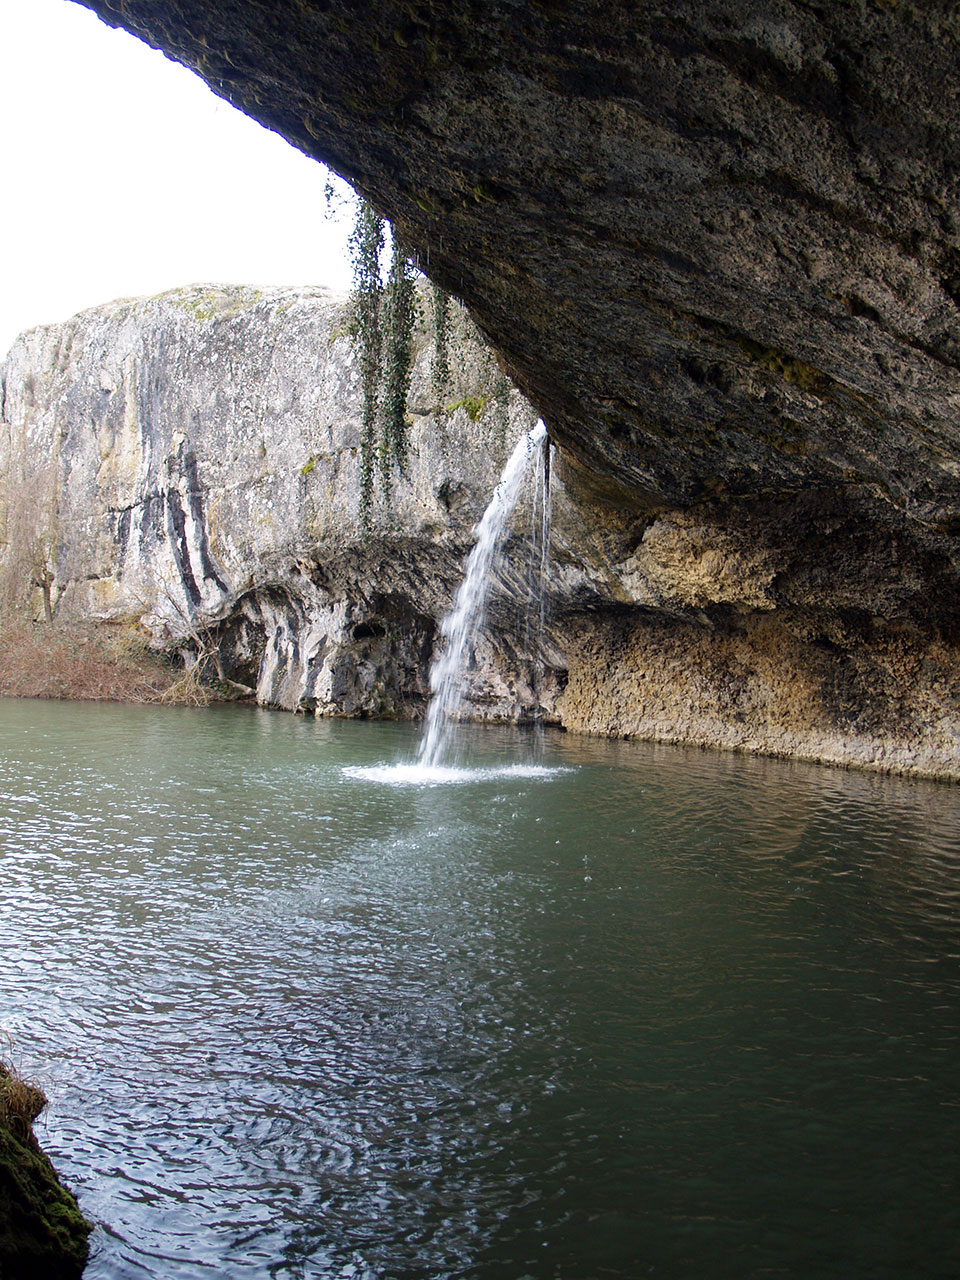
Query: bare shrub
point(105, 662)
point(83, 661)
point(20, 1102)
point(29, 521)
point(205, 678)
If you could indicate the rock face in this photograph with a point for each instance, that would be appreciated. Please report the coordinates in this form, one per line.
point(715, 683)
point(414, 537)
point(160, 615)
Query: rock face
point(196, 460)
point(191, 462)
point(717, 247)
point(42, 1232)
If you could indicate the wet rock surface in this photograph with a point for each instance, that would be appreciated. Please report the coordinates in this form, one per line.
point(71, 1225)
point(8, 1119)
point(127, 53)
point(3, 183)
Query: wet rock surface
point(42, 1232)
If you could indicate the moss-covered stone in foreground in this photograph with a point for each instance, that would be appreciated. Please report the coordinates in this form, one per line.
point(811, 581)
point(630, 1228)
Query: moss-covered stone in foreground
point(42, 1231)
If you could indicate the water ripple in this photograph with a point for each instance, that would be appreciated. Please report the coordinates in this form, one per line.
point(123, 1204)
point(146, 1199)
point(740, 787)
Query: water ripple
point(674, 1013)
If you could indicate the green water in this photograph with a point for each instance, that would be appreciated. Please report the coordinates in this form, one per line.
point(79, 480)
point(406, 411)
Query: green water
point(647, 1012)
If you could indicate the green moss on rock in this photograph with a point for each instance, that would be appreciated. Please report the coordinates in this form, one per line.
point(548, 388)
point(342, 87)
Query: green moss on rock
point(42, 1231)
point(472, 406)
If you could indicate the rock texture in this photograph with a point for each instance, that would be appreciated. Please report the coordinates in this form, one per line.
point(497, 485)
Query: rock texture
point(192, 462)
point(718, 244)
point(42, 1232)
point(718, 248)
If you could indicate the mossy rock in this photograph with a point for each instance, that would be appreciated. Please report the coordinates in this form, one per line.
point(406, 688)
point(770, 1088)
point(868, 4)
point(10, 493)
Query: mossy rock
point(42, 1231)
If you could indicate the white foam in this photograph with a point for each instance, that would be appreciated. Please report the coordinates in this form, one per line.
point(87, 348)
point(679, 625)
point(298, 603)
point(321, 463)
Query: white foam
point(423, 775)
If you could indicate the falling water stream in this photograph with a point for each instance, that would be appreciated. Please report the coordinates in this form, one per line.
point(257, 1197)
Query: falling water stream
point(460, 626)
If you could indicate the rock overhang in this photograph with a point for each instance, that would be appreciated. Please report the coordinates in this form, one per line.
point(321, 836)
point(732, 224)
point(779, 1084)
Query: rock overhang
point(717, 246)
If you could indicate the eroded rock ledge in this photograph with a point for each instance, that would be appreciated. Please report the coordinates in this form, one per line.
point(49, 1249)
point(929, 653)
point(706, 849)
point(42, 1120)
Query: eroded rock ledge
point(197, 459)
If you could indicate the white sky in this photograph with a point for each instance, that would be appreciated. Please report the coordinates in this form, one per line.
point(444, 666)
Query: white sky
point(122, 174)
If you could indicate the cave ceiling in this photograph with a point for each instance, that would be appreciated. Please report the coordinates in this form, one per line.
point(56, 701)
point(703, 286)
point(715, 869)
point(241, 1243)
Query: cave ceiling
point(716, 244)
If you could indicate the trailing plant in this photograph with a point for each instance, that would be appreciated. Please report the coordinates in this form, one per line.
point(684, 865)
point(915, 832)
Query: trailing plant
point(366, 246)
point(383, 317)
point(398, 316)
point(440, 368)
point(382, 321)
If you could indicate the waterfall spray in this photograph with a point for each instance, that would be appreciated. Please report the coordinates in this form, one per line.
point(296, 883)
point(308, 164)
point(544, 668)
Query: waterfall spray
point(460, 626)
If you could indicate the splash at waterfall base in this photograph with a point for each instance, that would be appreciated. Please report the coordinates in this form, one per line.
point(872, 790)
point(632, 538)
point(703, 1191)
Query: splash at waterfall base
point(436, 762)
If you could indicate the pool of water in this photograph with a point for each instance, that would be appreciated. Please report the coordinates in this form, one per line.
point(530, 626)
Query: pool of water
point(624, 1011)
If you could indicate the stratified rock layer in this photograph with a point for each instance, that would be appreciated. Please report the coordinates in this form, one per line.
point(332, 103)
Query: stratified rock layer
point(195, 460)
point(201, 452)
point(717, 244)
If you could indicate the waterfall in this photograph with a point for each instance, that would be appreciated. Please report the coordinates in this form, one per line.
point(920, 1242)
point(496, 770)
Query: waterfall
point(538, 571)
point(460, 626)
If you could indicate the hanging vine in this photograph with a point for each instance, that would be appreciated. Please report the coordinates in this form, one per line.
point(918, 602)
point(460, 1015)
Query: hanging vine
point(384, 315)
point(366, 246)
point(383, 318)
point(398, 316)
point(440, 367)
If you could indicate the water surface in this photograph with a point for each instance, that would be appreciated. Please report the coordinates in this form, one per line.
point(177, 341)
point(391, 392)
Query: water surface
point(634, 1011)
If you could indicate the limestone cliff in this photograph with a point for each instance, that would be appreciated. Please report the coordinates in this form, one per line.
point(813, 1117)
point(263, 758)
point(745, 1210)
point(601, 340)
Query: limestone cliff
point(193, 460)
point(193, 463)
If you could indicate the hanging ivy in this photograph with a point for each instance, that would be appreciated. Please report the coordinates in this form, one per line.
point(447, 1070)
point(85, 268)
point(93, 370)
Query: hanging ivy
point(366, 246)
point(440, 367)
point(383, 316)
point(398, 316)
point(384, 313)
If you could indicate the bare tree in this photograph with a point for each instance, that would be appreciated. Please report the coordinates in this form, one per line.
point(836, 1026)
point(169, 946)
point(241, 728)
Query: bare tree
point(168, 611)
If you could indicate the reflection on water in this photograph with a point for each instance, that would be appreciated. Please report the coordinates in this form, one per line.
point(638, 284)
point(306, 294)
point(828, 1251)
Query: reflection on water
point(666, 1013)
